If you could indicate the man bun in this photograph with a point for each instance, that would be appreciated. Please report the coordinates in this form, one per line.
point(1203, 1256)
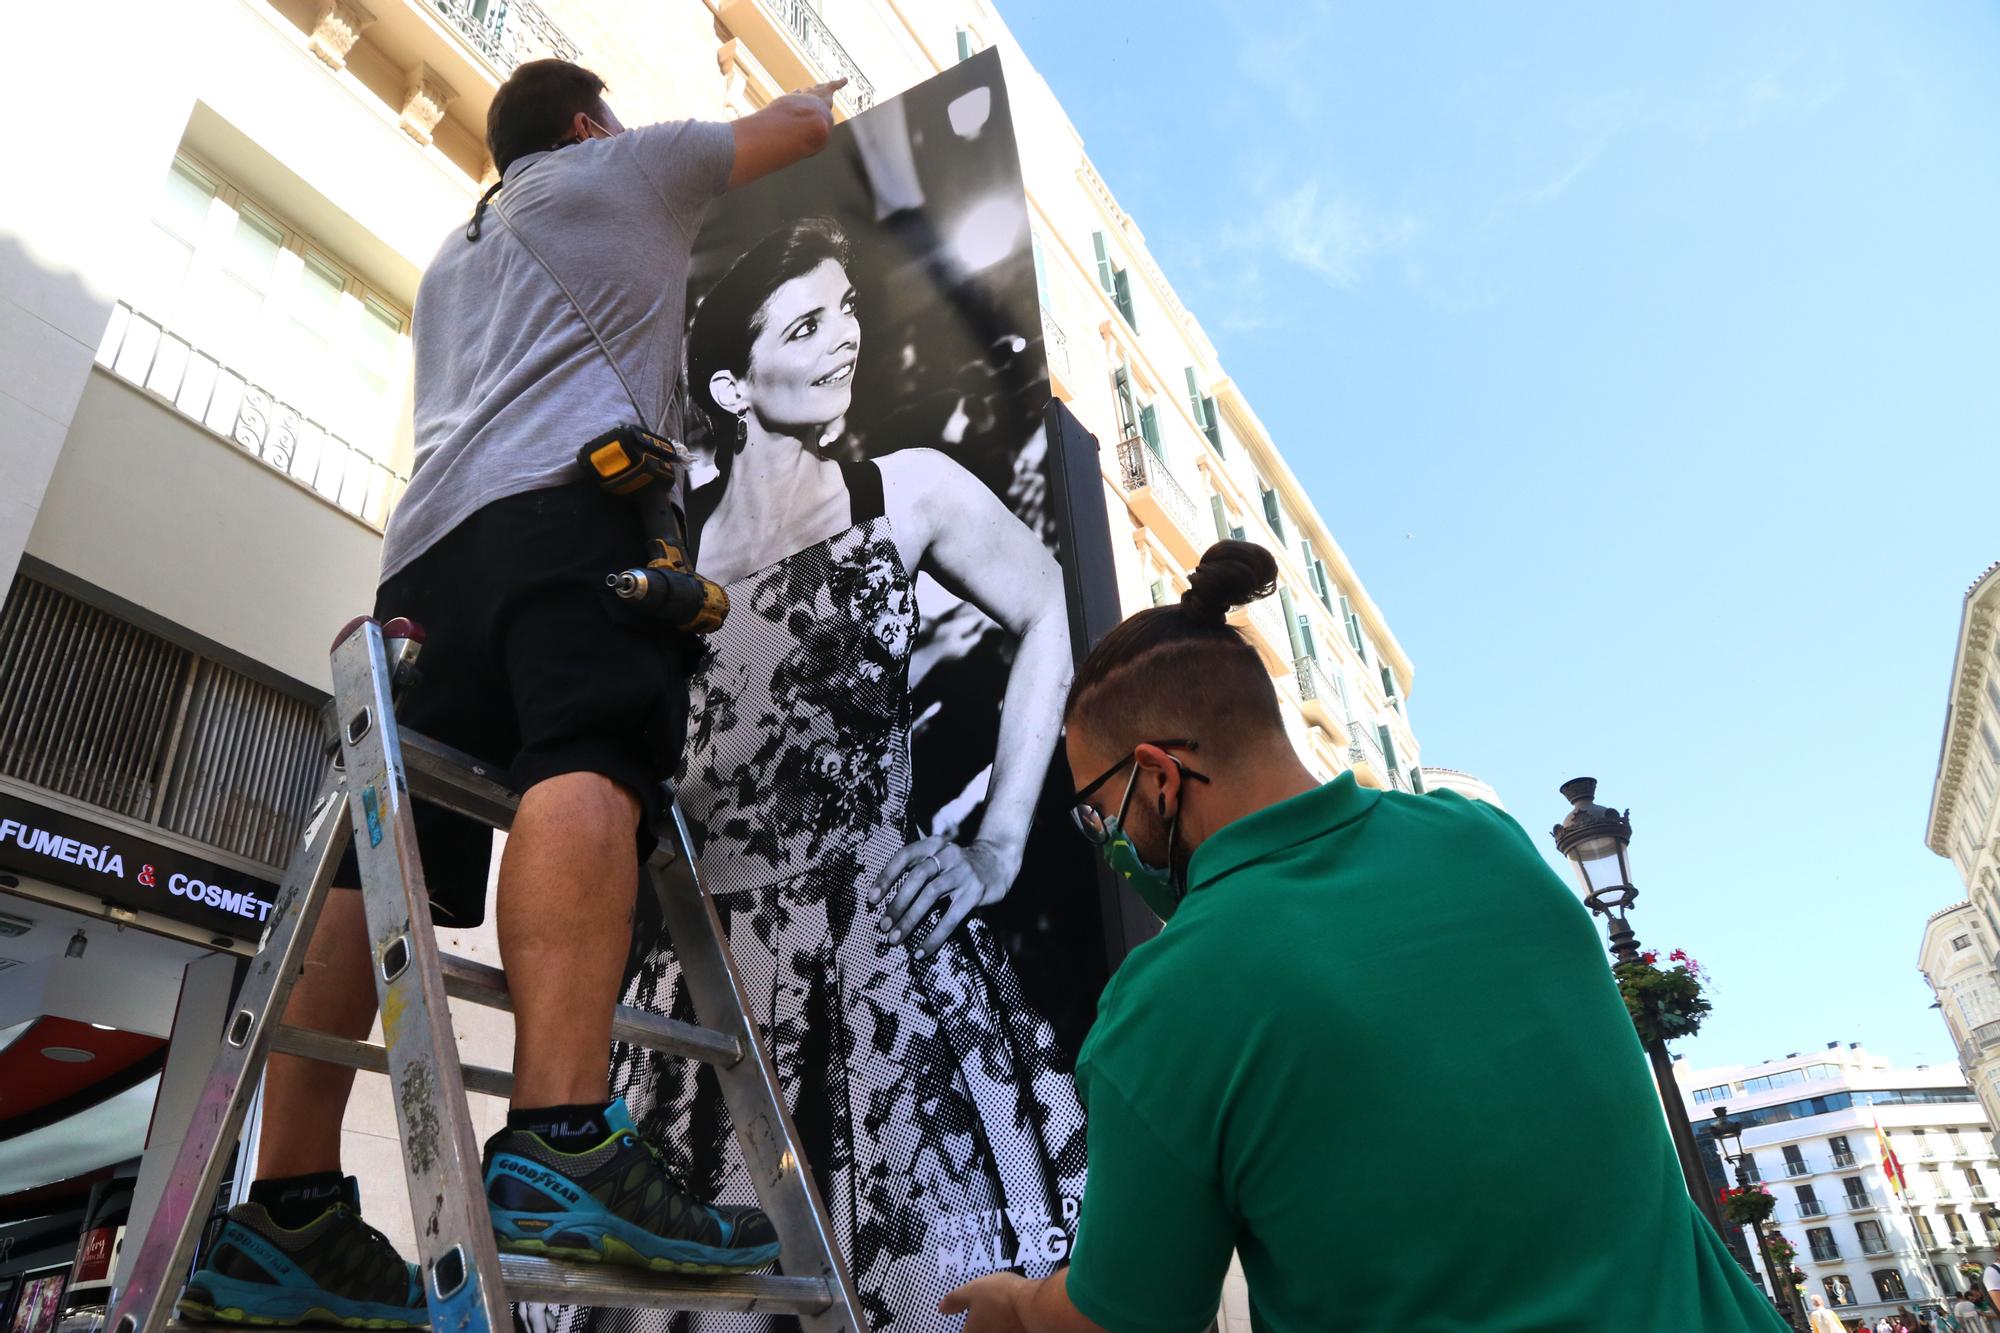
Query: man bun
point(1231, 574)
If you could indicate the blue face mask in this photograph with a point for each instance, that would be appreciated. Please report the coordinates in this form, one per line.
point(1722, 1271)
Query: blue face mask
point(1157, 886)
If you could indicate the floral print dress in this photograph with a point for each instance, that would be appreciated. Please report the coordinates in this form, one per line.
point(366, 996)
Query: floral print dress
point(936, 1110)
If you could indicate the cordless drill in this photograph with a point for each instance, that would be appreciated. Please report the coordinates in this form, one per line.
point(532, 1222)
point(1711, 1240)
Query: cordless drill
point(640, 466)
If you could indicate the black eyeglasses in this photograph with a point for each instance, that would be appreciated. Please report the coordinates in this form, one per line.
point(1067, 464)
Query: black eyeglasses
point(1089, 821)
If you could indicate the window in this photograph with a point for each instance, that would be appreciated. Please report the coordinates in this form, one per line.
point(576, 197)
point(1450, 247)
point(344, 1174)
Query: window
point(1957, 1142)
point(1113, 279)
point(1960, 1233)
point(1809, 1204)
point(1795, 1165)
point(1839, 1291)
point(1703, 1096)
point(968, 44)
point(1041, 266)
point(1960, 942)
point(1221, 512)
point(1820, 1240)
point(1857, 1191)
point(1388, 748)
point(1889, 1283)
point(1316, 575)
point(1389, 687)
point(1159, 590)
point(1149, 429)
point(1992, 745)
point(1121, 395)
point(1353, 623)
point(1870, 1235)
point(1272, 514)
point(1924, 1232)
point(1203, 408)
point(1973, 1184)
point(1292, 622)
point(1843, 1155)
point(1946, 1282)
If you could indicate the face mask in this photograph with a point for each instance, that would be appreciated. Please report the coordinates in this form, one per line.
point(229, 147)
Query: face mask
point(1157, 886)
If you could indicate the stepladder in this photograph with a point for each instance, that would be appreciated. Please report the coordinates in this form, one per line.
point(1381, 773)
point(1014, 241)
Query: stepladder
point(377, 770)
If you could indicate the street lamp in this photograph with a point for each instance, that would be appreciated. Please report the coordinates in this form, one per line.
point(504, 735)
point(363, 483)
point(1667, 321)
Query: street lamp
point(1595, 839)
point(1729, 1141)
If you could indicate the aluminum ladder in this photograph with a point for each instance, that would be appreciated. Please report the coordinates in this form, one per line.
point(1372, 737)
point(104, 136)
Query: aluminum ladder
point(376, 770)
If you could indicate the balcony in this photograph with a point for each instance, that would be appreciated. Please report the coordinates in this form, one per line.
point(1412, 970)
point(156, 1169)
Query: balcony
point(1859, 1203)
point(1265, 626)
point(1324, 702)
point(1797, 1169)
point(182, 377)
point(1841, 1159)
point(1874, 1247)
point(1364, 751)
point(1825, 1254)
point(793, 42)
point(507, 34)
point(1811, 1208)
point(1055, 346)
point(1159, 501)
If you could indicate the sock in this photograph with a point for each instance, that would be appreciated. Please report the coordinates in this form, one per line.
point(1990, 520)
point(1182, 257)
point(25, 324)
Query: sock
point(294, 1201)
point(578, 1127)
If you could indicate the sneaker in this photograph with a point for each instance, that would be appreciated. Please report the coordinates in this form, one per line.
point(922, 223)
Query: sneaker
point(614, 1203)
point(335, 1271)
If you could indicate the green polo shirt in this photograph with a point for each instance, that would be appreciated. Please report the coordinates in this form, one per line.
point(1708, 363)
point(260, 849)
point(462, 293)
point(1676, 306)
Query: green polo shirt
point(1379, 1054)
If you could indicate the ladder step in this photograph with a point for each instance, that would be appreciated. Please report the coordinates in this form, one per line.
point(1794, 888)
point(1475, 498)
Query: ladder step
point(481, 983)
point(457, 781)
point(531, 1279)
point(334, 1050)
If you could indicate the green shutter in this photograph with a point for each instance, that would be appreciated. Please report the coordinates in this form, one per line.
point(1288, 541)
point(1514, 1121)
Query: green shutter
point(1103, 265)
point(1122, 293)
point(1236, 533)
point(1324, 585)
point(1121, 392)
point(1388, 681)
point(1388, 748)
point(1211, 425)
point(1271, 513)
point(964, 44)
point(1159, 591)
point(1347, 618)
point(1149, 426)
point(1306, 637)
point(1221, 518)
point(1194, 394)
point(1041, 266)
point(1417, 781)
point(1291, 622)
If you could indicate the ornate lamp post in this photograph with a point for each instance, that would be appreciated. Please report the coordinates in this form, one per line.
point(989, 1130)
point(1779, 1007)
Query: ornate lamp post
point(1595, 839)
point(1729, 1140)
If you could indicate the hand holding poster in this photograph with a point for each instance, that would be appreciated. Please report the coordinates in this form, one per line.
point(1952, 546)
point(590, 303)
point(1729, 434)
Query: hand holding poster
point(865, 389)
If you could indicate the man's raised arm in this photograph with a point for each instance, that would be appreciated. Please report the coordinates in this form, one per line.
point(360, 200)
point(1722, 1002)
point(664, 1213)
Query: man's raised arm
point(789, 128)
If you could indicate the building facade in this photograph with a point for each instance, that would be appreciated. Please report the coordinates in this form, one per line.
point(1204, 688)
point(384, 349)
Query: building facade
point(1811, 1135)
point(205, 410)
point(1465, 784)
point(1961, 944)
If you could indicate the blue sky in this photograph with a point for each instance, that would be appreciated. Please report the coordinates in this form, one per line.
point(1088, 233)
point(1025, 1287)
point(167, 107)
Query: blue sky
point(1645, 360)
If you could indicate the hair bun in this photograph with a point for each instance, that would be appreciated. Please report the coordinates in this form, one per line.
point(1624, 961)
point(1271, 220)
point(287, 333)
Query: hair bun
point(1231, 574)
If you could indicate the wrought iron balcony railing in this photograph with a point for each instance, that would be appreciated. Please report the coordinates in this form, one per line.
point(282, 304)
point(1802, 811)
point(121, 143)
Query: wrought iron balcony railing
point(1799, 1168)
point(809, 30)
point(1055, 344)
point(507, 32)
point(1364, 748)
point(198, 386)
point(1140, 468)
point(1811, 1208)
point(1315, 683)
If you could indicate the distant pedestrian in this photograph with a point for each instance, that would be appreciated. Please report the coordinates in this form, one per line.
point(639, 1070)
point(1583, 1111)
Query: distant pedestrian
point(1824, 1320)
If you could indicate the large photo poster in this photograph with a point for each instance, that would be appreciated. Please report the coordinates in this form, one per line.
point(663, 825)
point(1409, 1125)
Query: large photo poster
point(871, 778)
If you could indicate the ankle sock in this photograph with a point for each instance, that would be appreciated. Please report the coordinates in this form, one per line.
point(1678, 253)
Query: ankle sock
point(294, 1201)
point(577, 1127)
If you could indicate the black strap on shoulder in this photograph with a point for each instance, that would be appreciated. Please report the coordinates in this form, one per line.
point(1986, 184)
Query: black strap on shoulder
point(864, 490)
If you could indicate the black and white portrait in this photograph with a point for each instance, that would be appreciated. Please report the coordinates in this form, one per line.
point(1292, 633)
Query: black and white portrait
point(872, 730)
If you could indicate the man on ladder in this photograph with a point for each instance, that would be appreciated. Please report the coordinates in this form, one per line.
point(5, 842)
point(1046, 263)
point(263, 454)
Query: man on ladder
point(561, 326)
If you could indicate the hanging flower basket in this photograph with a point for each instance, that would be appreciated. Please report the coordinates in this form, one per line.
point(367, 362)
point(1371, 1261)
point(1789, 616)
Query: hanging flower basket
point(1665, 1002)
point(1749, 1206)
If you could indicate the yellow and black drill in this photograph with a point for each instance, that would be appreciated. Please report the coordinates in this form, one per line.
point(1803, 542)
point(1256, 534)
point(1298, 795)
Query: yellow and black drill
point(642, 467)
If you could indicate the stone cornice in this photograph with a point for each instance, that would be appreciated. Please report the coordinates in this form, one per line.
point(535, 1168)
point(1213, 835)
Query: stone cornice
point(1968, 679)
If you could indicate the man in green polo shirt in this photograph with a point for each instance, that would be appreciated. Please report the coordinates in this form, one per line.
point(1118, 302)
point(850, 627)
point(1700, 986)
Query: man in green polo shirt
point(1376, 1050)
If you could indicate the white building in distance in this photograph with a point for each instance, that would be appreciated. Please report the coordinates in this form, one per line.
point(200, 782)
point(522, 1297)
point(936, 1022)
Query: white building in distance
point(1810, 1122)
point(1962, 942)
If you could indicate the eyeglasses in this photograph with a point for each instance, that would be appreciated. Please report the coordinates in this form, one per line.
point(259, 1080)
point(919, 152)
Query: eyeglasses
point(1090, 822)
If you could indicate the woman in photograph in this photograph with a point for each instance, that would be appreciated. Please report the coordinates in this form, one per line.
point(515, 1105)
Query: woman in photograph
point(934, 1105)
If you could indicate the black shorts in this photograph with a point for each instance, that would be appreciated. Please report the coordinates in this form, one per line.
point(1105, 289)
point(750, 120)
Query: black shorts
point(530, 663)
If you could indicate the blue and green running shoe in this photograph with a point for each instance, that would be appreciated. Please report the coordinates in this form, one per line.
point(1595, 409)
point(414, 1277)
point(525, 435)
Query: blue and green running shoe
point(614, 1203)
point(336, 1271)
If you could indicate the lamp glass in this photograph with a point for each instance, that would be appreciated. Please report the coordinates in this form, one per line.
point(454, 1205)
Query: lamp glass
point(1601, 870)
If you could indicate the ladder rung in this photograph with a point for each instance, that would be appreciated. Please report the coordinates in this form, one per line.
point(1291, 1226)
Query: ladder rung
point(530, 1279)
point(455, 780)
point(481, 983)
point(375, 1059)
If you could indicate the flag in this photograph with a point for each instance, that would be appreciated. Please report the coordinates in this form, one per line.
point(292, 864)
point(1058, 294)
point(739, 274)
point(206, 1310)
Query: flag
point(1891, 1168)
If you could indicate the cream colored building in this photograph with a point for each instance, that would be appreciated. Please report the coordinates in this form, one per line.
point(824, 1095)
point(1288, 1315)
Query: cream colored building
point(208, 260)
point(1960, 954)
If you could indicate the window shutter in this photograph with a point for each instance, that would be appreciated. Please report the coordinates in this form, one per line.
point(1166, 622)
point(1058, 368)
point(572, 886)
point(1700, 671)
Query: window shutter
point(1417, 781)
point(1210, 425)
point(1291, 622)
point(1325, 586)
point(964, 44)
point(1103, 264)
point(1272, 514)
point(1149, 426)
point(1194, 396)
point(1306, 637)
point(1121, 391)
point(1041, 266)
point(1221, 518)
point(1159, 591)
point(1236, 533)
point(1348, 619)
point(1388, 681)
point(1121, 291)
point(1388, 747)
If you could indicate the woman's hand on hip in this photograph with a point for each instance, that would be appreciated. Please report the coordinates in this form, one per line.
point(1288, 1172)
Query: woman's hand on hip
point(967, 877)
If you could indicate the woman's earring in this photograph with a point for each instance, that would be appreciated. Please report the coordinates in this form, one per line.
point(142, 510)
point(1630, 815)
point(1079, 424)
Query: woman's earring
point(742, 430)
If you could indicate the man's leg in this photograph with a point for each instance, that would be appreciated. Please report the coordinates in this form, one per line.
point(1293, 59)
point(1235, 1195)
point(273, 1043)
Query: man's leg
point(567, 883)
point(305, 1100)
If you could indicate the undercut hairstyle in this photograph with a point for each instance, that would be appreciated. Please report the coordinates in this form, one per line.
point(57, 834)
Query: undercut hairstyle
point(731, 316)
point(1183, 670)
point(533, 109)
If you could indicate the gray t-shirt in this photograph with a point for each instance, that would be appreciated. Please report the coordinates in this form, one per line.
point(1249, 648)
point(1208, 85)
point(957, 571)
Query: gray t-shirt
point(510, 382)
